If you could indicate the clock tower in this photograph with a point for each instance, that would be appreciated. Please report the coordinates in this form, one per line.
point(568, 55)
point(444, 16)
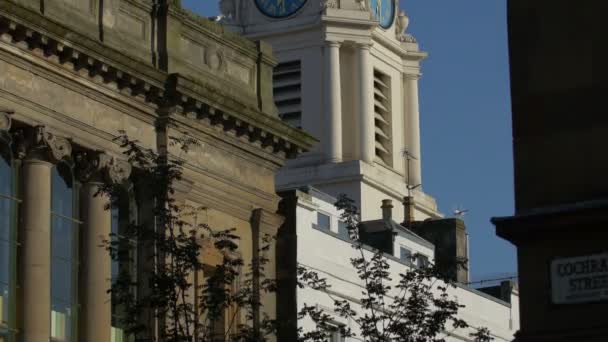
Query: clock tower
point(348, 74)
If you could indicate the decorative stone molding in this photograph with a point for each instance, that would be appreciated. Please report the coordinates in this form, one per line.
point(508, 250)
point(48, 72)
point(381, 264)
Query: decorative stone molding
point(5, 124)
point(118, 171)
point(100, 167)
point(39, 143)
point(81, 62)
point(5, 119)
point(159, 91)
point(214, 58)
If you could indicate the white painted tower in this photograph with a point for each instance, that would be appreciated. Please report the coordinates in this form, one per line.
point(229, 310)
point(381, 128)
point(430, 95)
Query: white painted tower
point(348, 75)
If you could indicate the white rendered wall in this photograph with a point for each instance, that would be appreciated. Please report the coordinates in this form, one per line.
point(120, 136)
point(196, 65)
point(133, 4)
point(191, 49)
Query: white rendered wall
point(329, 256)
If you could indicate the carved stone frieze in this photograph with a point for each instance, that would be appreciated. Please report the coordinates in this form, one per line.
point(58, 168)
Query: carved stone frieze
point(40, 143)
point(101, 167)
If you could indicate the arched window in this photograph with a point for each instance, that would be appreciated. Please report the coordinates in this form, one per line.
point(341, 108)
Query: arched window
point(64, 254)
point(124, 261)
point(8, 207)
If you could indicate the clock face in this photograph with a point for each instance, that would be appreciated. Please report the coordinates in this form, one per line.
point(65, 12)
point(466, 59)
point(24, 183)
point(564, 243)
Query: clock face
point(279, 8)
point(383, 11)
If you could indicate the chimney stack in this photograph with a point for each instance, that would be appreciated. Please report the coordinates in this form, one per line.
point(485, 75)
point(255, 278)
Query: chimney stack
point(408, 215)
point(387, 209)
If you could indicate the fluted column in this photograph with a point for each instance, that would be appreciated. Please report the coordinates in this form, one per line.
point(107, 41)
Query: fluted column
point(39, 149)
point(413, 130)
point(95, 169)
point(366, 103)
point(333, 102)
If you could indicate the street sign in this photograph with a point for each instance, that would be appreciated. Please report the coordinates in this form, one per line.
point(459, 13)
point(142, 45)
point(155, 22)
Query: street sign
point(580, 279)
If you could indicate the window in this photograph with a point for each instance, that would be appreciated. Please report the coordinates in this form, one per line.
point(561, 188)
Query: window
point(323, 221)
point(422, 261)
point(124, 262)
point(64, 254)
point(382, 118)
point(405, 254)
point(336, 336)
point(8, 207)
point(343, 230)
point(287, 81)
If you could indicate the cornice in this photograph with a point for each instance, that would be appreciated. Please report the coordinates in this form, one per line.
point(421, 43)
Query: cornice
point(206, 26)
point(48, 40)
point(108, 94)
point(348, 18)
point(196, 101)
point(395, 46)
point(45, 39)
point(264, 32)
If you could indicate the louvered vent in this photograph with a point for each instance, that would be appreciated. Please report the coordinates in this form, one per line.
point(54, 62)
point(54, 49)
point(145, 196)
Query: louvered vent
point(287, 80)
point(382, 118)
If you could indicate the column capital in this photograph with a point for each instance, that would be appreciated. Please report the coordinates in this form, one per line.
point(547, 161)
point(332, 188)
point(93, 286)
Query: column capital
point(412, 77)
point(364, 46)
point(333, 43)
point(266, 221)
point(5, 124)
point(98, 166)
point(5, 119)
point(40, 143)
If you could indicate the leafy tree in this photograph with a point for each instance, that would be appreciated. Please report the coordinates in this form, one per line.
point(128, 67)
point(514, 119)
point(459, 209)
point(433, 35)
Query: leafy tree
point(164, 302)
point(416, 307)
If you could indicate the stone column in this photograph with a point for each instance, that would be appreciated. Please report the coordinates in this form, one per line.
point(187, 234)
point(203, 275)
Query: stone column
point(413, 130)
point(265, 226)
point(333, 102)
point(94, 170)
point(366, 104)
point(39, 149)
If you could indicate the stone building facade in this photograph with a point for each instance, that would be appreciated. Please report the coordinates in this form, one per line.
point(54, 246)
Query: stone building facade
point(73, 74)
point(561, 191)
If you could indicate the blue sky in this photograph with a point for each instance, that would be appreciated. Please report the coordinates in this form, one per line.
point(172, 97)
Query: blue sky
point(465, 117)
